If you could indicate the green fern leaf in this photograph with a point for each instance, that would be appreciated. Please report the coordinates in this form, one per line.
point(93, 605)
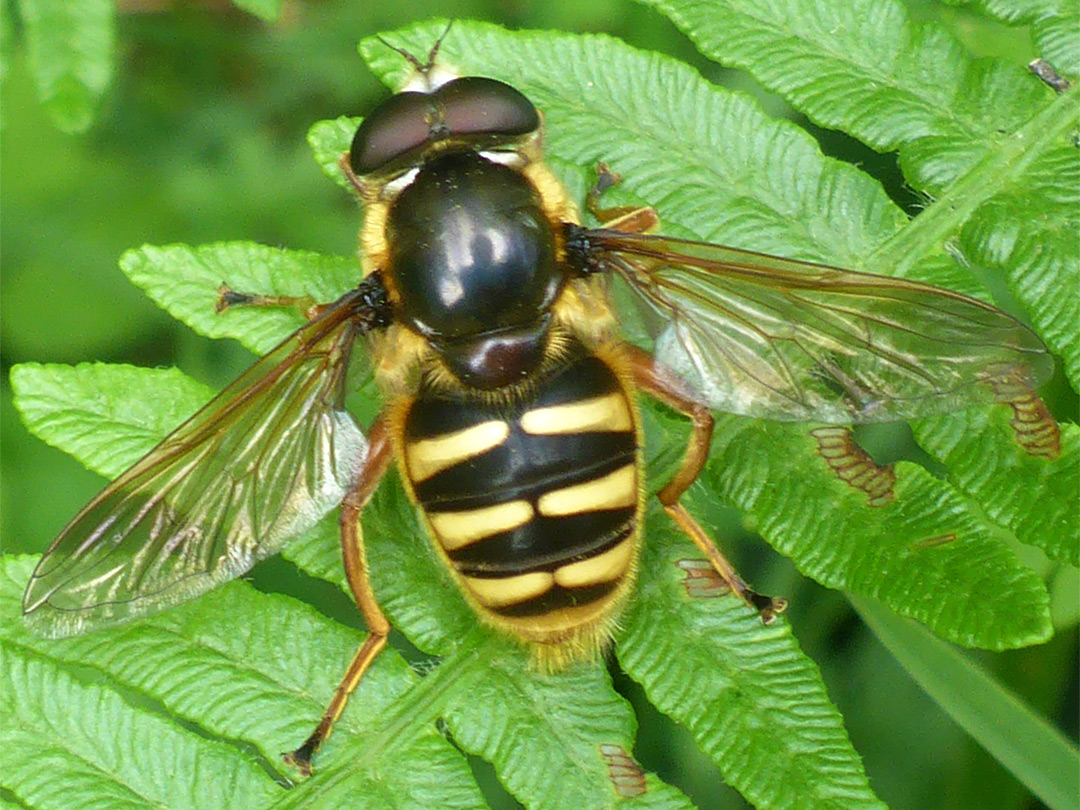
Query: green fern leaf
point(105, 416)
point(927, 555)
point(184, 281)
point(1032, 497)
point(68, 744)
point(257, 668)
point(1055, 28)
point(754, 703)
point(527, 727)
point(974, 134)
point(328, 140)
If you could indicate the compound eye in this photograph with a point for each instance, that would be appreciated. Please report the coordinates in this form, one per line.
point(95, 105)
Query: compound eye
point(397, 126)
point(477, 106)
point(474, 112)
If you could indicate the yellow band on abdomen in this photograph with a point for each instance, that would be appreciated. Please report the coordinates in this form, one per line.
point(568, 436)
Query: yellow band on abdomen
point(427, 457)
point(605, 413)
point(613, 491)
point(504, 591)
point(605, 567)
point(457, 529)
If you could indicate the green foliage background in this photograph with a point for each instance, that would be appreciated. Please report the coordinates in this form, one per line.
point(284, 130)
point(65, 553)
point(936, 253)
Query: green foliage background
point(200, 136)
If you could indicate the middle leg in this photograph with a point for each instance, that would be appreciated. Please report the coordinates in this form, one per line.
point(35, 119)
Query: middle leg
point(661, 384)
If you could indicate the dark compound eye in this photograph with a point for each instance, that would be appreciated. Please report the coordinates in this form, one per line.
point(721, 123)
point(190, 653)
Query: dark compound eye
point(397, 126)
point(477, 112)
point(478, 106)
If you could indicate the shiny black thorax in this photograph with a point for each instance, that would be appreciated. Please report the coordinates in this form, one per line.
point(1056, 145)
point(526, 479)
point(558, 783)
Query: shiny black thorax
point(472, 263)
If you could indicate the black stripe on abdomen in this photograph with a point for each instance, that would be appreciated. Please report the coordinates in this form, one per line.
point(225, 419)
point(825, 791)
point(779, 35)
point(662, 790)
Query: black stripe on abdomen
point(543, 542)
point(525, 466)
point(556, 599)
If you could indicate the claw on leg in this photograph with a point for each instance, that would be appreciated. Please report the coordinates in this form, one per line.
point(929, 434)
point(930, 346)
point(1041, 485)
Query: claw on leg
point(628, 218)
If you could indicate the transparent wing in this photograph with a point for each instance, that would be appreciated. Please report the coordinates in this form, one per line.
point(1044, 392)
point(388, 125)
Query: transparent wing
point(262, 462)
point(790, 341)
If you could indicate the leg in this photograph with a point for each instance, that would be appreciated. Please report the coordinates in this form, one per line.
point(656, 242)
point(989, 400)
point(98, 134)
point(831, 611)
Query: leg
point(352, 549)
point(228, 297)
point(669, 389)
point(346, 169)
point(631, 219)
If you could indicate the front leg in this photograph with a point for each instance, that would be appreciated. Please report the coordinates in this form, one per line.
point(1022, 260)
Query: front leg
point(228, 297)
point(663, 385)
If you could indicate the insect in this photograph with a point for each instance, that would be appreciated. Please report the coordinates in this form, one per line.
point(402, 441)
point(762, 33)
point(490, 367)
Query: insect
point(508, 394)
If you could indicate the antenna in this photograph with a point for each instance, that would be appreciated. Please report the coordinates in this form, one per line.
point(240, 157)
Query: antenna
point(424, 69)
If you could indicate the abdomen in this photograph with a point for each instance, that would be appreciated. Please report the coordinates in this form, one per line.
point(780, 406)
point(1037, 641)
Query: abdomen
point(534, 504)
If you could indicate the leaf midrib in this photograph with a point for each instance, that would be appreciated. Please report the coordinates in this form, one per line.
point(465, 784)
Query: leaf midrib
point(997, 171)
point(531, 696)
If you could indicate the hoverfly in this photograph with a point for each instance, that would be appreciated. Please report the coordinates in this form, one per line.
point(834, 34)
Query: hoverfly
point(507, 391)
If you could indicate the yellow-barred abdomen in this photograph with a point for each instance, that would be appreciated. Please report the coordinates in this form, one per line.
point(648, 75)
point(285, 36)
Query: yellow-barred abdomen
point(534, 501)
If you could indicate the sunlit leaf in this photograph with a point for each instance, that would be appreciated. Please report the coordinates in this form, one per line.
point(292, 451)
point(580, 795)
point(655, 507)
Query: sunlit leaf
point(524, 724)
point(68, 743)
point(1031, 496)
point(106, 416)
point(329, 140)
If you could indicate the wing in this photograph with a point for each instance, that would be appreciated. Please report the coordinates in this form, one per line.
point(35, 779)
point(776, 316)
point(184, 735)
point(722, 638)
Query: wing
point(262, 462)
point(790, 341)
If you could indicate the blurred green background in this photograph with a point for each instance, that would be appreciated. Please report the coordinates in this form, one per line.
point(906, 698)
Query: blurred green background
point(201, 138)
